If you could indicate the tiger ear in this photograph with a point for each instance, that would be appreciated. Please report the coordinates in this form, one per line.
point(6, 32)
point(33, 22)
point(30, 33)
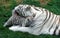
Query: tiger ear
point(33, 6)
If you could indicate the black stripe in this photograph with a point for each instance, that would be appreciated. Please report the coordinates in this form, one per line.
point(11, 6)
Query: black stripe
point(52, 17)
point(54, 33)
point(36, 9)
point(46, 19)
point(52, 24)
point(59, 32)
point(55, 30)
point(59, 25)
point(46, 14)
point(39, 15)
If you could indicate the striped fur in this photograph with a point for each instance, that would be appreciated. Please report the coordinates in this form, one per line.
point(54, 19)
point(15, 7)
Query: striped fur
point(34, 20)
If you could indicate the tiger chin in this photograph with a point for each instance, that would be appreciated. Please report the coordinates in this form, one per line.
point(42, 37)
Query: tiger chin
point(34, 20)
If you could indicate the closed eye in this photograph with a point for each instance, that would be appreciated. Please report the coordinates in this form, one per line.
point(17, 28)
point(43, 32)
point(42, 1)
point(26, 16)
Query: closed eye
point(36, 9)
point(16, 12)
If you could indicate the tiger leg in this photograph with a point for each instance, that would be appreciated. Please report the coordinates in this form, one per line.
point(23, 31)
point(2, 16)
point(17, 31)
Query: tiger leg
point(18, 28)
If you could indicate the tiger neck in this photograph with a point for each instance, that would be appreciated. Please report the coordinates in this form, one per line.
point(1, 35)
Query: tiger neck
point(39, 19)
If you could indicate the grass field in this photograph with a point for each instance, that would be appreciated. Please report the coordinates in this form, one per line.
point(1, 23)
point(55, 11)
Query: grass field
point(6, 7)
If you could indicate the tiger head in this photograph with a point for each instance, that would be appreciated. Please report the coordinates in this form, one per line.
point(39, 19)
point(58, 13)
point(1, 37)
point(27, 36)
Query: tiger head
point(25, 12)
point(24, 15)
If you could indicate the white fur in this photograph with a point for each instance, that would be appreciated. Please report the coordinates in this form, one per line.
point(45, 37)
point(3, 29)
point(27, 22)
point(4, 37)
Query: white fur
point(38, 21)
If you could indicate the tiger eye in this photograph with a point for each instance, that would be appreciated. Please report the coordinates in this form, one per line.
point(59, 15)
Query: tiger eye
point(28, 8)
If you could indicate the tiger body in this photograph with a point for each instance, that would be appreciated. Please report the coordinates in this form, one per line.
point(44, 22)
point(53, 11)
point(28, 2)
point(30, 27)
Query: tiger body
point(48, 23)
point(44, 21)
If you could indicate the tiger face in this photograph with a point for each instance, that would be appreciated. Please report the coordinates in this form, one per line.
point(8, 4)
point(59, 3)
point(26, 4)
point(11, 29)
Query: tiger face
point(22, 15)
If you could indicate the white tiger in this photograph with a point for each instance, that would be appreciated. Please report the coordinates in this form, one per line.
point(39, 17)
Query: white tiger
point(34, 20)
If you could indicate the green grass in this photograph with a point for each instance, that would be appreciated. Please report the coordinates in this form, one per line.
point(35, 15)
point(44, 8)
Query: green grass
point(6, 7)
